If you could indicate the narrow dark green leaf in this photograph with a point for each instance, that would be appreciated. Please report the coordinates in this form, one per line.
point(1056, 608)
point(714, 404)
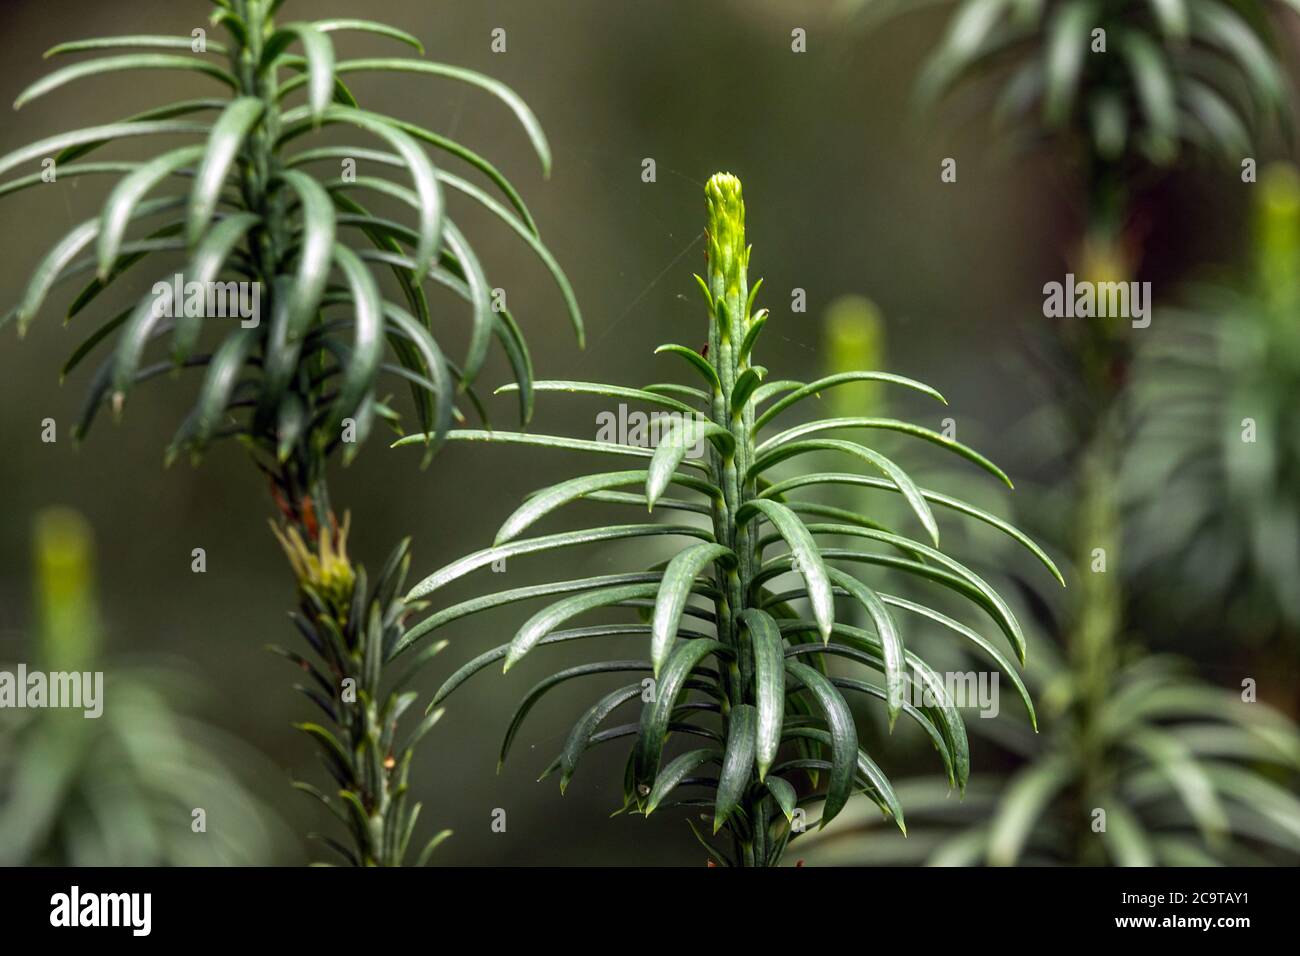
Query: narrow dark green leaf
point(479, 559)
point(219, 383)
point(498, 89)
point(737, 763)
point(316, 256)
point(998, 607)
point(906, 486)
point(545, 441)
point(580, 736)
point(423, 174)
point(934, 497)
point(529, 235)
point(672, 388)
point(987, 647)
point(429, 848)
point(1067, 46)
point(769, 684)
point(128, 193)
point(488, 658)
point(696, 361)
point(224, 143)
point(677, 770)
point(831, 381)
point(67, 171)
point(755, 329)
point(145, 318)
point(745, 385)
point(928, 726)
point(656, 717)
point(93, 134)
point(890, 640)
point(139, 40)
point(60, 259)
point(110, 64)
point(369, 26)
point(435, 366)
point(421, 729)
point(1154, 87)
point(549, 619)
point(864, 647)
point(682, 436)
point(319, 52)
point(805, 552)
point(785, 795)
point(674, 590)
point(608, 391)
point(88, 344)
point(1220, 26)
point(550, 683)
point(890, 424)
point(206, 263)
point(844, 737)
point(480, 300)
point(455, 612)
point(368, 338)
point(549, 499)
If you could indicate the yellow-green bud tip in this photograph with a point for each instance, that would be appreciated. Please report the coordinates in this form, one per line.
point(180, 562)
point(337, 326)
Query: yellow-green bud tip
point(726, 211)
point(726, 225)
point(723, 191)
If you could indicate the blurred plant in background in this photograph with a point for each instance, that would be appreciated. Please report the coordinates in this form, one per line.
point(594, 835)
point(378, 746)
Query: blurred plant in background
point(1175, 771)
point(1212, 478)
point(301, 385)
point(119, 789)
point(1120, 85)
point(1183, 772)
point(1163, 769)
point(1119, 90)
point(854, 332)
point(854, 338)
point(1170, 771)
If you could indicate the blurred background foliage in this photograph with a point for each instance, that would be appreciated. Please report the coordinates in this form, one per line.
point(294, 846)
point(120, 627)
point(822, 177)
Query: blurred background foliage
point(851, 203)
point(1139, 762)
point(1134, 759)
point(138, 784)
point(1212, 481)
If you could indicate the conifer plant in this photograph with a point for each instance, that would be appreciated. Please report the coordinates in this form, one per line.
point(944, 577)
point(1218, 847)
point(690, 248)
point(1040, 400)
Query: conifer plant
point(298, 382)
point(738, 657)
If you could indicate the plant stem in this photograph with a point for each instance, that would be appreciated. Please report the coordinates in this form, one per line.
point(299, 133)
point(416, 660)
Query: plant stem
point(348, 627)
point(352, 630)
point(728, 284)
point(1095, 637)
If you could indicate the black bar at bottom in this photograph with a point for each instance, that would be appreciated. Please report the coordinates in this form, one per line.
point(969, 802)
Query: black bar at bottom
point(337, 906)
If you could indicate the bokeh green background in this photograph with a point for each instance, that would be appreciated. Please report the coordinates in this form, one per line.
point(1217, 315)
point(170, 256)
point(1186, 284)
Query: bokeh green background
point(844, 196)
